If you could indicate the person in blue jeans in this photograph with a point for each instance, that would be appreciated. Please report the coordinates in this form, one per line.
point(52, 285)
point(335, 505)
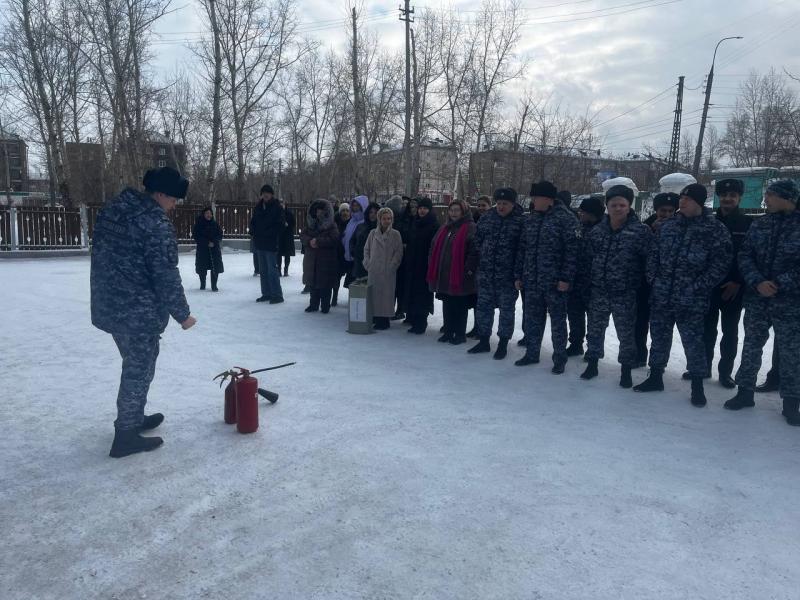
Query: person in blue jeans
point(266, 227)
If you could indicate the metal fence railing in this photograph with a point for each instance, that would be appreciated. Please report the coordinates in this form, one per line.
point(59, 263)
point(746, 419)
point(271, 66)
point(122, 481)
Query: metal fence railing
point(55, 228)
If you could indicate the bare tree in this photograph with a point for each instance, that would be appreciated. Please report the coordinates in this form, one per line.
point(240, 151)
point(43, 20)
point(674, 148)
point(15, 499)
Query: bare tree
point(762, 130)
point(257, 43)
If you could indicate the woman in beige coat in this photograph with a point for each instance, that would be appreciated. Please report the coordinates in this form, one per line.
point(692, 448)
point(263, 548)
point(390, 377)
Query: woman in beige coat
point(383, 253)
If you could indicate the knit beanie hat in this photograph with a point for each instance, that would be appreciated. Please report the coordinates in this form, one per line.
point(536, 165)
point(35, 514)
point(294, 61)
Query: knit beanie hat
point(696, 192)
point(167, 181)
point(786, 189)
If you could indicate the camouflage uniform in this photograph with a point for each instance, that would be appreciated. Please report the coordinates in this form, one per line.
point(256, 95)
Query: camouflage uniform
point(547, 254)
point(135, 288)
point(771, 252)
point(618, 260)
point(689, 257)
point(578, 298)
point(497, 239)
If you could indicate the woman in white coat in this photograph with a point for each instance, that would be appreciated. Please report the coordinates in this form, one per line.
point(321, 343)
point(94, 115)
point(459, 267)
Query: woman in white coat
point(383, 253)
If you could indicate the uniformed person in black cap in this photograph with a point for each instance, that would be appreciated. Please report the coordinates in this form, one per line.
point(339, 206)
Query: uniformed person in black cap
point(664, 207)
point(726, 299)
point(690, 257)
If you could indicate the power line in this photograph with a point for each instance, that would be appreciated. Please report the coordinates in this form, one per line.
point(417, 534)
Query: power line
point(637, 107)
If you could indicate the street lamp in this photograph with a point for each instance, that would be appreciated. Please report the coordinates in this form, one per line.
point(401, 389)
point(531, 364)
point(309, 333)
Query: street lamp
point(699, 150)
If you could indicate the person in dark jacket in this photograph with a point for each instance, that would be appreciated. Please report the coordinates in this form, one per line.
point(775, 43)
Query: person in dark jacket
point(341, 218)
point(664, 205)
point(618, 248)
point(266, 227)
point(452, 270)
point(545, 268)
point(727, 297)
point(135, 289)
point(417, 297)
point(359, 239)
point(482, 206)
point(497, 239)
point(689, 258)
point(403, 225)
point(770, 265)
point(286, 249)
point(208, 255)
point(320, 240)
point(590, 213)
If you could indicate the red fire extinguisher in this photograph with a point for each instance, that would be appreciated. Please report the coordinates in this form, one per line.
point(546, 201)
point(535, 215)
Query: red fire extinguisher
point(241, 397)
point(246, 403)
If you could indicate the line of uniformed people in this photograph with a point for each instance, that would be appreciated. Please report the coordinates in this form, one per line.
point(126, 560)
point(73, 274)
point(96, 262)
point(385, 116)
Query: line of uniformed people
point(685, 266)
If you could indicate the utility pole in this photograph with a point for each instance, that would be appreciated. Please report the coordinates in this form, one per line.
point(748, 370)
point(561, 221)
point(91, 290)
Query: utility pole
point(676, 127)
point(405, 15)
point(699, 150)
point(356, 104)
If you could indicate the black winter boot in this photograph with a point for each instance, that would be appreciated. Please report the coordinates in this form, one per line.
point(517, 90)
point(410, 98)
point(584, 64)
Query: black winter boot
point(698, 394)
point(527, 360)
point(559, 366)
point(625, 380)
point(575, 350)
point(457, 339)
point(335, 298)
point(502, 349)
point(791, 410)
point(129, 441)
point(151, 421)
point(481, 347)
point(771, 384)
point(742, 399)
point(473, 333)
point(445, 337)
point(202, 282)
point(523, 341)
point(591, 370)
point(654, 383)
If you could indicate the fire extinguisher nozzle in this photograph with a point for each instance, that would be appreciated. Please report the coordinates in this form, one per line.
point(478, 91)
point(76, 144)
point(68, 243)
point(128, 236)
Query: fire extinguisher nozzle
point(271, 396)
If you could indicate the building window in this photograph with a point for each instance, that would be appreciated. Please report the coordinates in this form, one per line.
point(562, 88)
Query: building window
point(162, 163)
point(162, 151)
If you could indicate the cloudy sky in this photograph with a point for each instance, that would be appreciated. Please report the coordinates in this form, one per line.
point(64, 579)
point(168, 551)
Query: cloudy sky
point(622, 57)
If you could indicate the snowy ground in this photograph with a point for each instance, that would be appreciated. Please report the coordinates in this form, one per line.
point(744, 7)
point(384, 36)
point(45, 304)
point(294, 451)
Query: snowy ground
point(391, 467)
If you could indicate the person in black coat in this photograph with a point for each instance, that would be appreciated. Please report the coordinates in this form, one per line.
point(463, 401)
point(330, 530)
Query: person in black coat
point(208, 256)
point(403, 224)
point(359, 239)
point(286, 249)
point(266, 227)
point(417, 296)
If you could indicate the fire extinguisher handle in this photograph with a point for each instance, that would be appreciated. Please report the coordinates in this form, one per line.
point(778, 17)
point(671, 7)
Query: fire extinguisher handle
point(271, 396)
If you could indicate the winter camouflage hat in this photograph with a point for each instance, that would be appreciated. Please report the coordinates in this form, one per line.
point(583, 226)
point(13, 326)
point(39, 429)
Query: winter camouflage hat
point(167, 181)
point(786, 189)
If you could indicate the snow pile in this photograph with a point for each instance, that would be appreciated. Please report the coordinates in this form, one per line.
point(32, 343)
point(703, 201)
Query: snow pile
point(391, 467)
point(626, 181)
point(675, 182)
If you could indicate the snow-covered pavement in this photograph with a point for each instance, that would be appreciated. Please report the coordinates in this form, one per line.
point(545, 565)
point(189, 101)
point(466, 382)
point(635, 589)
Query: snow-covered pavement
point(391, 467)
